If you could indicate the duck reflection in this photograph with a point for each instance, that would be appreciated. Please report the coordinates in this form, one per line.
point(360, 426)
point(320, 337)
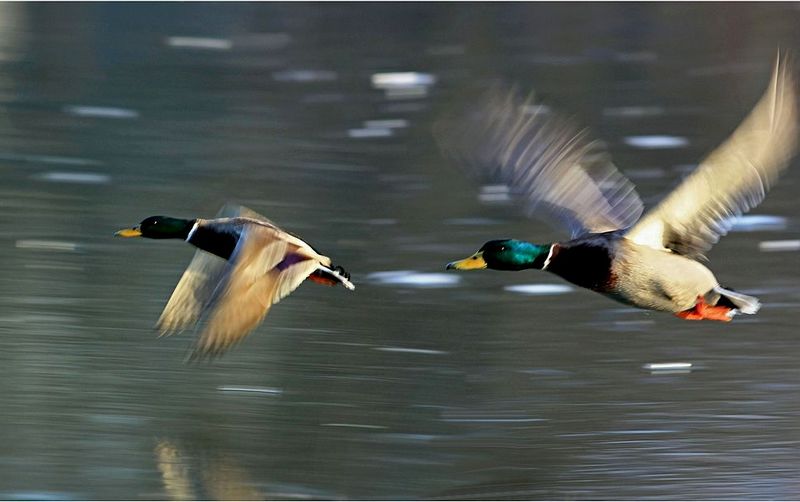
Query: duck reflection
point(197, 477)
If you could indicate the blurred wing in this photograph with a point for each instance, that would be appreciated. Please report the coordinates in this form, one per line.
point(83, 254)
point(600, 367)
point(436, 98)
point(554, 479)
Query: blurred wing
point(559, 174)
point(232, 210)
point(197, 284)
point(265, 268)
point(192, 293)
point(733, 179)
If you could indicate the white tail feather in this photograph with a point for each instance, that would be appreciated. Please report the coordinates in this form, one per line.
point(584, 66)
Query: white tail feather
point(744, 304)
point(344, 280)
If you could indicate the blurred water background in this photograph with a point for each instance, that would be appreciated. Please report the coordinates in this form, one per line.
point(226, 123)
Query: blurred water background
point(419, 384)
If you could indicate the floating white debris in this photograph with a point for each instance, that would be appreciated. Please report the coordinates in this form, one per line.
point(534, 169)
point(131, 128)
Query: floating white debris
point(668, 367)
point(410, 350)
point(71, 177)
point(386, 124)
point(403, 85)
point(46, 245)
point(641, 431)
point(399, 80)
point(540, 289)
point(770, 246)
point(633, 111)
point(305, 76)
point(757, 222)
point(49, 159)
point(370, 132)
point(410, 278)
point(493, 420)
point(656, 142)
point(355, 426)
point(259, 390)
point(216, 44)
point(101, 112)
point(39, 495)
point(402, 436)
point(494, 193)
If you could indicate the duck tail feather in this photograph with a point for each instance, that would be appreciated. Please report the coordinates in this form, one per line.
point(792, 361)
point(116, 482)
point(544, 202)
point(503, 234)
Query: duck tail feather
point(744, 303)
point(339, 274)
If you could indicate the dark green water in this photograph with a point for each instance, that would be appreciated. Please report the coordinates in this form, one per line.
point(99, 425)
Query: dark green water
point(419, 384)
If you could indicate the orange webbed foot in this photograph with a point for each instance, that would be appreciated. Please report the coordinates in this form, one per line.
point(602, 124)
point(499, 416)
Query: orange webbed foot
point(703, 311)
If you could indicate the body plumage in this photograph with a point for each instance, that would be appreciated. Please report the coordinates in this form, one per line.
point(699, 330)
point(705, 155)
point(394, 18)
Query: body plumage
point(653, 262)
point(244, 265)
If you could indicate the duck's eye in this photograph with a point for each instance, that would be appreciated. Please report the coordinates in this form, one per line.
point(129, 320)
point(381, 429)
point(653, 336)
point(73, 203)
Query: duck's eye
point(474, 257)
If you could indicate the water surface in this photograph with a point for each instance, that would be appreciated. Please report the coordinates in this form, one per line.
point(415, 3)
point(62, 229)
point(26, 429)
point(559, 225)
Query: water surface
point(421, 383)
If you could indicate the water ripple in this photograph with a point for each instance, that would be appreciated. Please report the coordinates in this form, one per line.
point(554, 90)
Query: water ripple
point(656, 141)
point(414, 279)
point(540, 289)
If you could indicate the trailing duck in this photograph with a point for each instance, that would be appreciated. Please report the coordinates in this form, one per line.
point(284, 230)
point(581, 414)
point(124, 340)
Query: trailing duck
point(244, 265)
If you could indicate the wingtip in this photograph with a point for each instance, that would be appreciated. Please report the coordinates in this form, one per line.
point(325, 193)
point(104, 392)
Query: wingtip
point(197, 354)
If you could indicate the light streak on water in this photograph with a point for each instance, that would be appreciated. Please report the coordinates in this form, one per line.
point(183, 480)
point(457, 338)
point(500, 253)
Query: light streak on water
point(46, 245)
point(540, 289)
point(757, 222)
point(656, 142)
point(207, 43)
point(257, 390)
point(410, 278)
point(411, 350)
point(788, 245)
point(75, 177)
point(103, 112)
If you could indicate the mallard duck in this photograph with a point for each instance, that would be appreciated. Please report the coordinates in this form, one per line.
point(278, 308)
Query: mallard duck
point(653, 262)
point(244, 265)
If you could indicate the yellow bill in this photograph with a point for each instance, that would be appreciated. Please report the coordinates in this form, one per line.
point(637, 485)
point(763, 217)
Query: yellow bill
point(473, 262)
point(129, 232)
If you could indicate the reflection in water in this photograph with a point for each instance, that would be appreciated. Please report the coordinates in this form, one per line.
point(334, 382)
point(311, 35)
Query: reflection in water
point(174, 471)
point(220, 476)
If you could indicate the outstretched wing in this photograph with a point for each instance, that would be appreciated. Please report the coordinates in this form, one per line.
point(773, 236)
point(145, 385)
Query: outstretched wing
point(733, 179)
point(266, 266)
point(201, 277)
point(554, 168)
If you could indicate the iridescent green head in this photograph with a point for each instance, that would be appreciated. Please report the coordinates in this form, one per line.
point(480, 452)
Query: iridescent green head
point(505, 254)
point(159, 227)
